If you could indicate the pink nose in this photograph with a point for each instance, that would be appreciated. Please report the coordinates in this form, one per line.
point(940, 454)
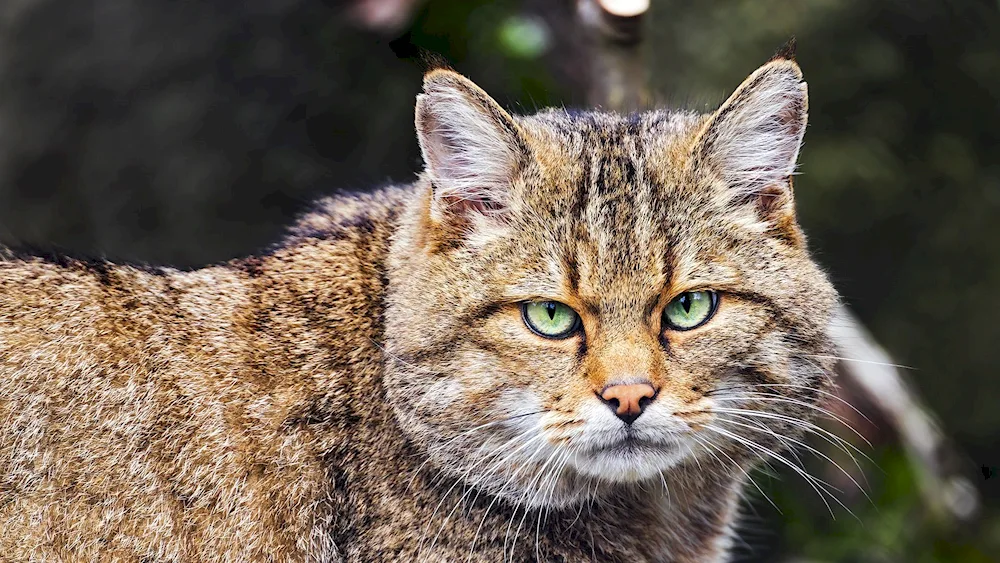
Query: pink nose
point(628, 401)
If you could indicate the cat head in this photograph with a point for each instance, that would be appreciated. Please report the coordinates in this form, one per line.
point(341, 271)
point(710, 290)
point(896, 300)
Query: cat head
point(585, 300)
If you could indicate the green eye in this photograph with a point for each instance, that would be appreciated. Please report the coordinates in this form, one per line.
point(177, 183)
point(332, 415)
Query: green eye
point(690, 310)
point(550, 319)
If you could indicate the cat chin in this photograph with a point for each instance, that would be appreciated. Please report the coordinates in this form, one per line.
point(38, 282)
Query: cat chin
point(628, 464)
point(586, 474)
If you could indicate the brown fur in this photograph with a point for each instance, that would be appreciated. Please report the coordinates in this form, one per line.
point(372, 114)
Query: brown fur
point(362, 392)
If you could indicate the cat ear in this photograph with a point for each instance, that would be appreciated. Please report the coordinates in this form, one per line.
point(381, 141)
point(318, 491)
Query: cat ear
point(753, 140)
point(472, 147)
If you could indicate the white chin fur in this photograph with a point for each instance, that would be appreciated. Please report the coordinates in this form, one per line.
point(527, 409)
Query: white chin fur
point(628, 465)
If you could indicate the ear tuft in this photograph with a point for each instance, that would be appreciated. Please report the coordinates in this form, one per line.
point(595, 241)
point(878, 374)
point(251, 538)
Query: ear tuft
point(787, 51)
point(471, 146)
point(753, 140)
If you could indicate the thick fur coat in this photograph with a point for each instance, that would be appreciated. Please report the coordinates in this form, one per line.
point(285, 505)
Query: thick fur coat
point(368, 390)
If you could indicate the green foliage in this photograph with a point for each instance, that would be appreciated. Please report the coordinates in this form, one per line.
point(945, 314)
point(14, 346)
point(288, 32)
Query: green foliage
point(522, 37)
point(892, 526)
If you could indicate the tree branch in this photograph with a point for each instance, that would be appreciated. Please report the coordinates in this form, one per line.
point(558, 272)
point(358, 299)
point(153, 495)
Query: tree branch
point(868, 375)
point(619, 76)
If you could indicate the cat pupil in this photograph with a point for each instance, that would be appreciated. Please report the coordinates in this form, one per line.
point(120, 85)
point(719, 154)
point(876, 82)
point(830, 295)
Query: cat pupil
point(551, 308)
point(686, 303)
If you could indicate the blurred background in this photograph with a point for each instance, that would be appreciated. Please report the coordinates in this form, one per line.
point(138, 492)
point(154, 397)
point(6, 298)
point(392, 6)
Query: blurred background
point(191, 132)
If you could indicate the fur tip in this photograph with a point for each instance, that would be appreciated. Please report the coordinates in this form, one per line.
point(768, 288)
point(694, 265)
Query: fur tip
point(786, 52)
point(434, 61)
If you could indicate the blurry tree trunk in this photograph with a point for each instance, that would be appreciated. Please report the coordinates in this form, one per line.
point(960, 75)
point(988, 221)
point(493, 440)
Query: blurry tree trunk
point(618, 71)
point(868, 380)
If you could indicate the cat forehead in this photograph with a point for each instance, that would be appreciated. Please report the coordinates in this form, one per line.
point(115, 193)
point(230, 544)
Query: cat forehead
point(614, 166)
point(596, 129)
point(605, 208)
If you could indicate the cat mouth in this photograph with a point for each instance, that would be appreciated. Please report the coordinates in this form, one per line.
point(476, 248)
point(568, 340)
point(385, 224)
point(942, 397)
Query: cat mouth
point(631, 445)
point(630, 458)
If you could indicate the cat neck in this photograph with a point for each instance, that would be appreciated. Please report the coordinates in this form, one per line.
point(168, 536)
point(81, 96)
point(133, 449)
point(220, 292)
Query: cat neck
point(316, 316)
point(436, 518)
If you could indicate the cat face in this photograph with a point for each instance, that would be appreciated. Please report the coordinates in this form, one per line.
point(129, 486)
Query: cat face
point(581, 301)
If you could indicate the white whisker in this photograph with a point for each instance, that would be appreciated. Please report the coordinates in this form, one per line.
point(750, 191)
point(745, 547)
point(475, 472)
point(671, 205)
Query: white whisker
point(819, 485)
point(786, 440)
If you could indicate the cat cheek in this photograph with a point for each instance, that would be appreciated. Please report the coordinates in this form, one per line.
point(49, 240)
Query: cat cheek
point(516, 403)
point(442, 396)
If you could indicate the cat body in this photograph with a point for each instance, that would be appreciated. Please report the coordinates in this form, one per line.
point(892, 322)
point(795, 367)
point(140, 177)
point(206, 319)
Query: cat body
point(372, 388)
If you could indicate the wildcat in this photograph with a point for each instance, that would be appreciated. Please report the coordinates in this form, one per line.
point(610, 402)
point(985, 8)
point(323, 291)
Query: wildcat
point(569, 340)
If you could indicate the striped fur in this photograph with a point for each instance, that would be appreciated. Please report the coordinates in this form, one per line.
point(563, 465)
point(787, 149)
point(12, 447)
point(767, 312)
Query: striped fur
point(367, 391)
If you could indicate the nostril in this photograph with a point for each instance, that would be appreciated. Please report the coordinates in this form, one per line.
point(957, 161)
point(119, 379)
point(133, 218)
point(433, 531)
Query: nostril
point(613, 404)
point(644, 402)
